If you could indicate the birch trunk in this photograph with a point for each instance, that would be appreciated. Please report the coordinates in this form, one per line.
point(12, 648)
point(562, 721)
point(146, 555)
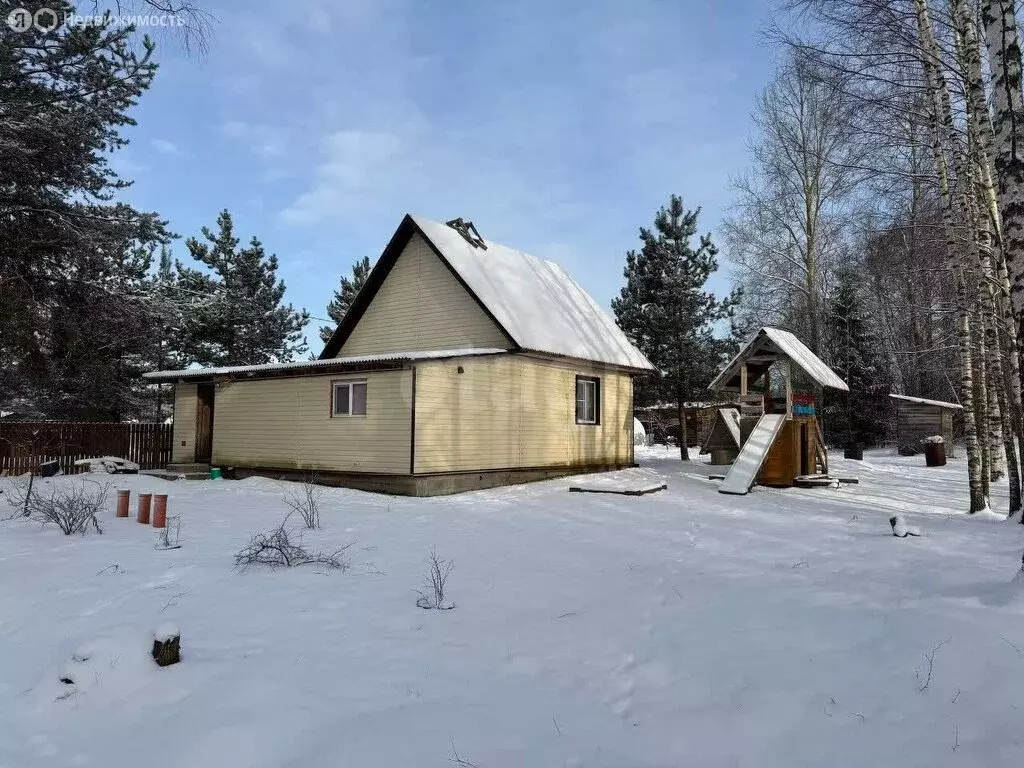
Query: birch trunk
point(998, 375)
point(979, 120)
point(981, 422)
point(980, 373)
point(990, 418)
point(1012, 371)
point(1001, 328)
point(1001, 41)
point(994, 383)
point(974, 474)
point(940, 113)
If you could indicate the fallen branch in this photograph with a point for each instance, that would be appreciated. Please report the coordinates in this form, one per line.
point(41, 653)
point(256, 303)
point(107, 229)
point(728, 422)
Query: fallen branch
point(931, 665)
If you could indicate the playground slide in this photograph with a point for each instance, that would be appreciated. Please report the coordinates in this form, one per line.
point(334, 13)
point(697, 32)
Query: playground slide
point(744, 470)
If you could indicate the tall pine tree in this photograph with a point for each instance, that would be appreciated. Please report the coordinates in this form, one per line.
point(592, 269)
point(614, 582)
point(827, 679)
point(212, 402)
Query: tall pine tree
point(344, 295)
point(858, 417)
point(73, 261)
point(244, 321)
point(666, 311)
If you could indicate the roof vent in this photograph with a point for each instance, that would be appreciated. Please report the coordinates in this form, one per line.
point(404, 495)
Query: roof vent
point(468, 231)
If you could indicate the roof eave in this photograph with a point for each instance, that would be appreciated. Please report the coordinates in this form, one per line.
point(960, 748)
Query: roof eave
point(618, 366)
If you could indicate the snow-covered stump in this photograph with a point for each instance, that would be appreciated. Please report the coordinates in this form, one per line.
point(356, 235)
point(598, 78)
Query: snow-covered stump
point(145, 499)
point(900, 529)
point(123, 498)
point(167, 645)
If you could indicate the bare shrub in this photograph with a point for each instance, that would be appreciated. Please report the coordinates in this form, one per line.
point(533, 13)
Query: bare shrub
point(281, 547)
point(434, 583)
point(171, 534)
point(20, 497)
point(72, 506)
point(306, 501)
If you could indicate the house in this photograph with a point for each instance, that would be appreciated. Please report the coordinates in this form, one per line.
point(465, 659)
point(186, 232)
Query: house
point(779, 438)
point(461, 364)
point(918, 418)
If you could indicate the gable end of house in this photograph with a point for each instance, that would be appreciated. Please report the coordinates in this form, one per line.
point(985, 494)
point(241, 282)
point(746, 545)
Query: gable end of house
point(407, 233)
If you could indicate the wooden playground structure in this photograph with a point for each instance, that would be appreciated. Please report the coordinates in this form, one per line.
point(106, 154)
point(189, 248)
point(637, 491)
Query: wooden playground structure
point(774, 438)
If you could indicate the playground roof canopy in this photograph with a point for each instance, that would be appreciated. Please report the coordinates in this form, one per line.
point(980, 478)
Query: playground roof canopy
point(767, 346)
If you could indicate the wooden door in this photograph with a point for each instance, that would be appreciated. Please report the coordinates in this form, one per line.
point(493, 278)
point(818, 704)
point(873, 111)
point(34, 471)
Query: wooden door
point(204, 423)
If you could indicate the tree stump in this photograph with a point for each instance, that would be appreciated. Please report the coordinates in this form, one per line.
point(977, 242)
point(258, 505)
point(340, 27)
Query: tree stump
point(167, 646)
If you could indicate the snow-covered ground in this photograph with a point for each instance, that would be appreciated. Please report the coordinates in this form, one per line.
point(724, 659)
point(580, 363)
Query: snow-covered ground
point(783, 628)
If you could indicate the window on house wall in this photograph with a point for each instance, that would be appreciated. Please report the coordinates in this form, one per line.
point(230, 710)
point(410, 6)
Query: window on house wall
point(588, 400)
point(348, 398)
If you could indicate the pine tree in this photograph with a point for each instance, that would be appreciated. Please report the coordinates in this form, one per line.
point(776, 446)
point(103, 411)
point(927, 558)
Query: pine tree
point(244, 321)
point(169, 349)
point(665, 310)
point(344, 295)
point(72, 261)
point(858, 416)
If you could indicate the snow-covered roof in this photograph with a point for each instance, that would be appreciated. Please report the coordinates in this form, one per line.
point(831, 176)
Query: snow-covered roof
point(537, 303)
point(533, 301)
point(782, 343)
point(334, 362)
point(924, 401)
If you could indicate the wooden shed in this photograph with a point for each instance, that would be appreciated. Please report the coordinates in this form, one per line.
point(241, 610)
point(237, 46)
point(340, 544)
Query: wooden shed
point(918, 418)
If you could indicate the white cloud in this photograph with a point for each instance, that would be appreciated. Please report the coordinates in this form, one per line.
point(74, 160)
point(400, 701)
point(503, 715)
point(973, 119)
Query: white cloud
point(165, 146)
point(355, 163)
point(260, 139)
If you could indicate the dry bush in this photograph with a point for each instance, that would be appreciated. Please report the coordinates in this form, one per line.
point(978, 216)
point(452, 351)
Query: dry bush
point(434, 583)
point(281, 547)
point(306, 501)
point(71, 506)
point(170, 536)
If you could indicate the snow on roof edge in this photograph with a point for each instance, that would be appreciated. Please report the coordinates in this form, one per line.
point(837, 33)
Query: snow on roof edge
point(926, 401)
point(325, 363)
point(791, 347)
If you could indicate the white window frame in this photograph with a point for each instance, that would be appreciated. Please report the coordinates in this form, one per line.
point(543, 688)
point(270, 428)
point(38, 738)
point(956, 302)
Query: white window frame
point(591, 386)
point(349, 384)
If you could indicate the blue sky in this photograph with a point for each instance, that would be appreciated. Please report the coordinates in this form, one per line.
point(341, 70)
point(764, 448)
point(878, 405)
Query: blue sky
point(558, 128)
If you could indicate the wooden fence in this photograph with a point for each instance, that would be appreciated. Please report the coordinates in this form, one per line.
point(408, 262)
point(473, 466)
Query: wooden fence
point(23, 444)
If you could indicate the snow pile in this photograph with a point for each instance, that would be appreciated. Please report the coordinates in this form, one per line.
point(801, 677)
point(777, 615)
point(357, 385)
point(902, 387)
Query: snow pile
point(166, 632)
point(105, 672)
point(639, 433)
point(113, 465)
point(933, 440)
point(900, 528)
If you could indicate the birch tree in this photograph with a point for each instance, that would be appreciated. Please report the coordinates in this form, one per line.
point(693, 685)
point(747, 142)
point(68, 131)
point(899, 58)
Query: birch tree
point(785, 234)
point(902, 67)
point(1004, 58)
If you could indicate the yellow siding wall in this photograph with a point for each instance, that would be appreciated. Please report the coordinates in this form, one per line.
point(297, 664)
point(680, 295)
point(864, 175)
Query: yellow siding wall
point(184, 448)
point(286, 424)
point(422, 307)
point(513, 411)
